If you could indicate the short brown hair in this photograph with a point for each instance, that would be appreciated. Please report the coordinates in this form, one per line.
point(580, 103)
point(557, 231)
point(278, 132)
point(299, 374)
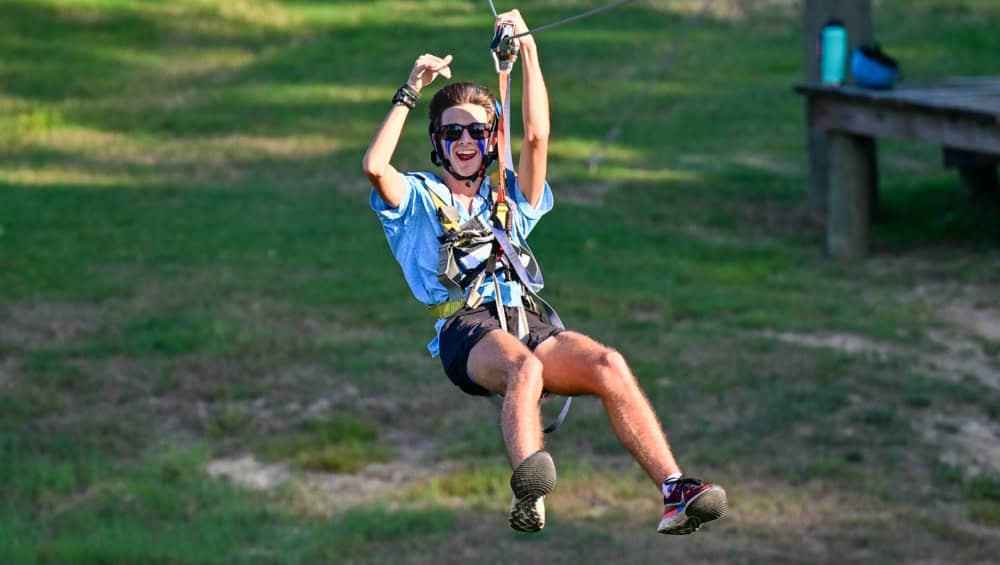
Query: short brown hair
point(461, 93)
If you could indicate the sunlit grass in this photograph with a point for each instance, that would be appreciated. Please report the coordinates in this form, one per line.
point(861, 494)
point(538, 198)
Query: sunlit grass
point(293, 94)
point(55, 176)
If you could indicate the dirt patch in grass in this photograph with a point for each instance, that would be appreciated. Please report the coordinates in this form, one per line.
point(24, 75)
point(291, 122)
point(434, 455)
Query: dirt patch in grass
point(963, 357)
point(966, 442)
point(323, 494)
point(969, 338)
point(247, 472)
point(9, 367)
point(979, 315)
point(973, 308)
point(416, 427)
point(326, 494)
point(31, 326)
point(969, 441)
point(272, 397)
point(413, 427)
point(958, 356)
point(847, 343)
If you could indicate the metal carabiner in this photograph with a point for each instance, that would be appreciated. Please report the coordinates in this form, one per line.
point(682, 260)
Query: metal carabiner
point(504, 47)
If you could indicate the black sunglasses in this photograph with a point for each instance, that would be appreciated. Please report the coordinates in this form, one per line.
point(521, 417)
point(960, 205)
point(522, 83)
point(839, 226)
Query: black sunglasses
point(453, 132)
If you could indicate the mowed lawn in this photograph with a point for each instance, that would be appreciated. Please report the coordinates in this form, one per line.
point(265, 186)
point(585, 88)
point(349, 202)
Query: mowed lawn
point(208, 354)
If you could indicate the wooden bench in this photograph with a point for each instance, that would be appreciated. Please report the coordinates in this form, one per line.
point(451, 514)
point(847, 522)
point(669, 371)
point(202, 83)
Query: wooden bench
point(960, 115)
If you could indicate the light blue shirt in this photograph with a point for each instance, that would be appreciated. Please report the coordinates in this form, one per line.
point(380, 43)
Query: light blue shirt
point(412, 230)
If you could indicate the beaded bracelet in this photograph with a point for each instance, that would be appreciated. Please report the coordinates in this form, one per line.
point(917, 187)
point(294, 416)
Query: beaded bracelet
point(406, 96)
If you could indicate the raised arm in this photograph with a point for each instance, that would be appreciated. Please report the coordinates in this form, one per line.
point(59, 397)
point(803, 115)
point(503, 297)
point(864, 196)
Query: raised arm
point(533, 160)
point(388, 182)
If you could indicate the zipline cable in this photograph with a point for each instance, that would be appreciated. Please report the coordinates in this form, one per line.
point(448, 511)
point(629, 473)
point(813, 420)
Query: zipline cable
point(658, 70)
point(570, 19)
point(563, 21)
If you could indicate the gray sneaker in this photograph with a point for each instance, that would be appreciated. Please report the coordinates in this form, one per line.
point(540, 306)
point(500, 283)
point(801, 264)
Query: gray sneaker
point(534, 478)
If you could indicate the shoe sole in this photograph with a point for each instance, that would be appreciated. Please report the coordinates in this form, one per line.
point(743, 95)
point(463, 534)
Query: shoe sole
point(705, 507)
point(534, 478)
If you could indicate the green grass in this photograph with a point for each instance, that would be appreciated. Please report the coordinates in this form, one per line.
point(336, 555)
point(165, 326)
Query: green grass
point(189, 270)
point(86, 508)
point(983, 494)
point(342, 444)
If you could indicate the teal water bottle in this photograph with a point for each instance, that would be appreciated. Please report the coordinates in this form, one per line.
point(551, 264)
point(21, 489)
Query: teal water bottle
point(833, 52)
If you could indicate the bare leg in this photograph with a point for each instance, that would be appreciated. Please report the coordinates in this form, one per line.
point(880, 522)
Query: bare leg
point(575, 364)
point(500, 363)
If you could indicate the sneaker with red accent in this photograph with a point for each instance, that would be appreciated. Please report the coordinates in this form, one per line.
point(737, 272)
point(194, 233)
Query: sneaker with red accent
point(691, 504)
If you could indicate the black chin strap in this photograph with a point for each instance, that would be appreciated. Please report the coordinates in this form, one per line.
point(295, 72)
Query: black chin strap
point(438, 158)
point(468, 178)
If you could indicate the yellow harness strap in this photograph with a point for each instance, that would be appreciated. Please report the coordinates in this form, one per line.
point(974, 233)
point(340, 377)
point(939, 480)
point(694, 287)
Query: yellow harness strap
point(446, 309)
point(447, 215)
point(449, 219)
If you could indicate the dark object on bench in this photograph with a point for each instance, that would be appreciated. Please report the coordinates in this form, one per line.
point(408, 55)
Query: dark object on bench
point(873, 68)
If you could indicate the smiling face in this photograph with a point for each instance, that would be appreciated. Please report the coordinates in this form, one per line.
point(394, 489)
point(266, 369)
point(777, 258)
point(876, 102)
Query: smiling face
point(466, 153)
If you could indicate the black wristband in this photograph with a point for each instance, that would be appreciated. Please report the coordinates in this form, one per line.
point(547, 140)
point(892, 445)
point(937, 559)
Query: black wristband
point(405, 96)
point(413, 93)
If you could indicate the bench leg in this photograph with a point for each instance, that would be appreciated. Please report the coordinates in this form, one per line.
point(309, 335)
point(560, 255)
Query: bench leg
point(978, 171)
point(852, 184)
point(979, 182)
point(819, 171)
point(818, 150)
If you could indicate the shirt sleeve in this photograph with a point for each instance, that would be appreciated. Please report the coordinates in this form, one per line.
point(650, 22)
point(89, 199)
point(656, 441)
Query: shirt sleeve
point(395, 219)
point(527, 215)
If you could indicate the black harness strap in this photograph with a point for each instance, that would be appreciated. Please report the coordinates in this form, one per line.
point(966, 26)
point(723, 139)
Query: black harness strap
point(548, 313)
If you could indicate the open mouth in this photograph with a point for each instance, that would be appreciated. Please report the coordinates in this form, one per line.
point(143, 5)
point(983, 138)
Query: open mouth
point(466, 155)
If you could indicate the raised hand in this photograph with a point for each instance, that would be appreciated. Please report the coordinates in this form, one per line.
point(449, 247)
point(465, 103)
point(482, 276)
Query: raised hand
point(426, 69)
point(514, 17)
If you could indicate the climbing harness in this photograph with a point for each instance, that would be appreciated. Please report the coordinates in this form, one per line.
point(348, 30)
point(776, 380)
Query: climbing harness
point(472, 251)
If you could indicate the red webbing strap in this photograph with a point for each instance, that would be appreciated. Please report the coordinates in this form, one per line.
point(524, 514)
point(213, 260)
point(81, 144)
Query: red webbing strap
point(503, 218)
point(502, 137)
point(500, 209)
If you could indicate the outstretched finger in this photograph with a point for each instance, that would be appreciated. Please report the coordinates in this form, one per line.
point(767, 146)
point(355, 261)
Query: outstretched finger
point(442, 67)
point(427, 61)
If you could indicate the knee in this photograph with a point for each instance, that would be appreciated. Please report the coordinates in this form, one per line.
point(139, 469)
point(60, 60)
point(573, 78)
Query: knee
point(612, 372)
point(525, 371)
